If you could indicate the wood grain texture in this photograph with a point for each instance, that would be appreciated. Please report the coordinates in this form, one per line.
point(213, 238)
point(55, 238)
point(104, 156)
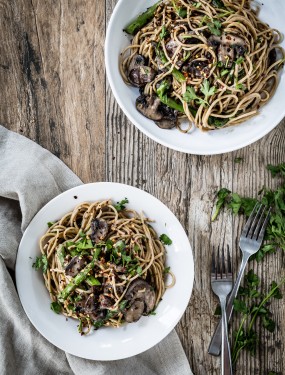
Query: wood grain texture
point(52, 78)
point(53, 91)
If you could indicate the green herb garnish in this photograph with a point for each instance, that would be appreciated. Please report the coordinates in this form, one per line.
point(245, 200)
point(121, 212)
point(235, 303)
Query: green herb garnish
point(165, 239)
point(252, 305)
point(217, 122)
point(215, 27)
point(121, 205)
point(41, 263)
point(239, 60)
point(92, 281)
point(163, 33)
point(240, 86)
point(50, 224)
point(207, 90)
point(218, 4)
point(277, 169)
point(55, 307)
point(166, 270)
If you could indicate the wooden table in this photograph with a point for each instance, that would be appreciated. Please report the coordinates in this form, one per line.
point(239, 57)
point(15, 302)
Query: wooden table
point(54, 91)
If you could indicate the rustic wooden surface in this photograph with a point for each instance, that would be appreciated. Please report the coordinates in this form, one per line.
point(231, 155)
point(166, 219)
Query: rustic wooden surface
point(54, 91)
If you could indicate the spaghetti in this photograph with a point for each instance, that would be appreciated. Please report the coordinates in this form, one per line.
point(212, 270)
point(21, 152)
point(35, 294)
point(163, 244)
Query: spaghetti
point(212, 62)
point(104, 264)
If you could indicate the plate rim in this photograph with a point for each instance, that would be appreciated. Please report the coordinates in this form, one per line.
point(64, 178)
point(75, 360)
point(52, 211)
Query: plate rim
point(145, 130)
point(39, 328)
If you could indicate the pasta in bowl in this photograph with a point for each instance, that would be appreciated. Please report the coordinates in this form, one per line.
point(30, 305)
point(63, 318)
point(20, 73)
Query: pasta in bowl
point(185, 136)
point(212, 62)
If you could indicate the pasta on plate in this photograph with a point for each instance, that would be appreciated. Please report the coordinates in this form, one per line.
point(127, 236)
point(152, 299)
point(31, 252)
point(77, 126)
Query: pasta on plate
point(104, 265)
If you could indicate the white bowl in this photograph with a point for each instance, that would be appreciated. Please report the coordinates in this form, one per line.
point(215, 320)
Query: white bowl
point(195, 142)
point(107, 343)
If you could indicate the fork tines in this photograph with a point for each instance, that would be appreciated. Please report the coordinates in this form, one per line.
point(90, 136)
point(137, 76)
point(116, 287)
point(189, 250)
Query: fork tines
point(221, 267)
point(257, 222)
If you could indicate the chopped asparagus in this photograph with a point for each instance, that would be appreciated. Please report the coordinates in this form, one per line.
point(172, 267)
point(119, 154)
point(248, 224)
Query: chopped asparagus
point(141, 20)
point(78, 279)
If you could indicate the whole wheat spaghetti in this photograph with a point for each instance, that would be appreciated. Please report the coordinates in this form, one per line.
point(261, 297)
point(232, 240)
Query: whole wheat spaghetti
point(103, 264)
point(213, 62)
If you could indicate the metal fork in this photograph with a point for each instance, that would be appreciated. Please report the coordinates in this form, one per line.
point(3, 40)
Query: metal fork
point(222, 283)
point(250, 242)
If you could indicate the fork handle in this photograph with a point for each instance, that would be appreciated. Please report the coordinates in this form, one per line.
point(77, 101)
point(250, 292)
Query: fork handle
point(226, 361)
point(215, 344)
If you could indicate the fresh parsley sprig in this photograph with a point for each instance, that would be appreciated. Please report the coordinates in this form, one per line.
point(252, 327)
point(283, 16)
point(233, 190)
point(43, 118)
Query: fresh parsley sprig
point(275, 232)
point(41, 263)
point(121, 205)
point(205, 89)
point(252, 305)
point(213, 25)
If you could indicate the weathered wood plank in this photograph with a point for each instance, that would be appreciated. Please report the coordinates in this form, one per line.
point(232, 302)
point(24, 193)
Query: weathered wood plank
point(52, 79)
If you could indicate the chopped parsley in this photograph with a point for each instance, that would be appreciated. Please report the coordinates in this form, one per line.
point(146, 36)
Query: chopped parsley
point(165, 239)
point(240, 60)
point(41, 263)
point(55, 307)
point(215, 27)
point(206, 89)
point(277, 169)
point(217, 122)
point(121, 205)
point(50, 224)
point(252, 305)
point(166, 270)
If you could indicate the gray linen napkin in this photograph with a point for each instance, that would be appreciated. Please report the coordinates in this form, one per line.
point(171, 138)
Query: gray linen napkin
point(29, 177)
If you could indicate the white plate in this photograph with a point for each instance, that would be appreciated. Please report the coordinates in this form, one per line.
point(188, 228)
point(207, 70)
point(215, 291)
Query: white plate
point(195, 142)
point(106, 343)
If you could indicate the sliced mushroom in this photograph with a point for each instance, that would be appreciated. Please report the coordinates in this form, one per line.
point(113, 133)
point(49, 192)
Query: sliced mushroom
point(169, 119)
point(229, 46)
point(141, 296)
point(135, 311)
point(149, 107)
point(139, 74)
point(75, 266)
point(90, 306)
point(99, 230)
point(152, 108)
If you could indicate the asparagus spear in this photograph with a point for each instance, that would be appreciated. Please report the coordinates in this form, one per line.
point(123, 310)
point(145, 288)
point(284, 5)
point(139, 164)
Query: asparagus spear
point(78, 279)
point(141, 20)
point(161, 92)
